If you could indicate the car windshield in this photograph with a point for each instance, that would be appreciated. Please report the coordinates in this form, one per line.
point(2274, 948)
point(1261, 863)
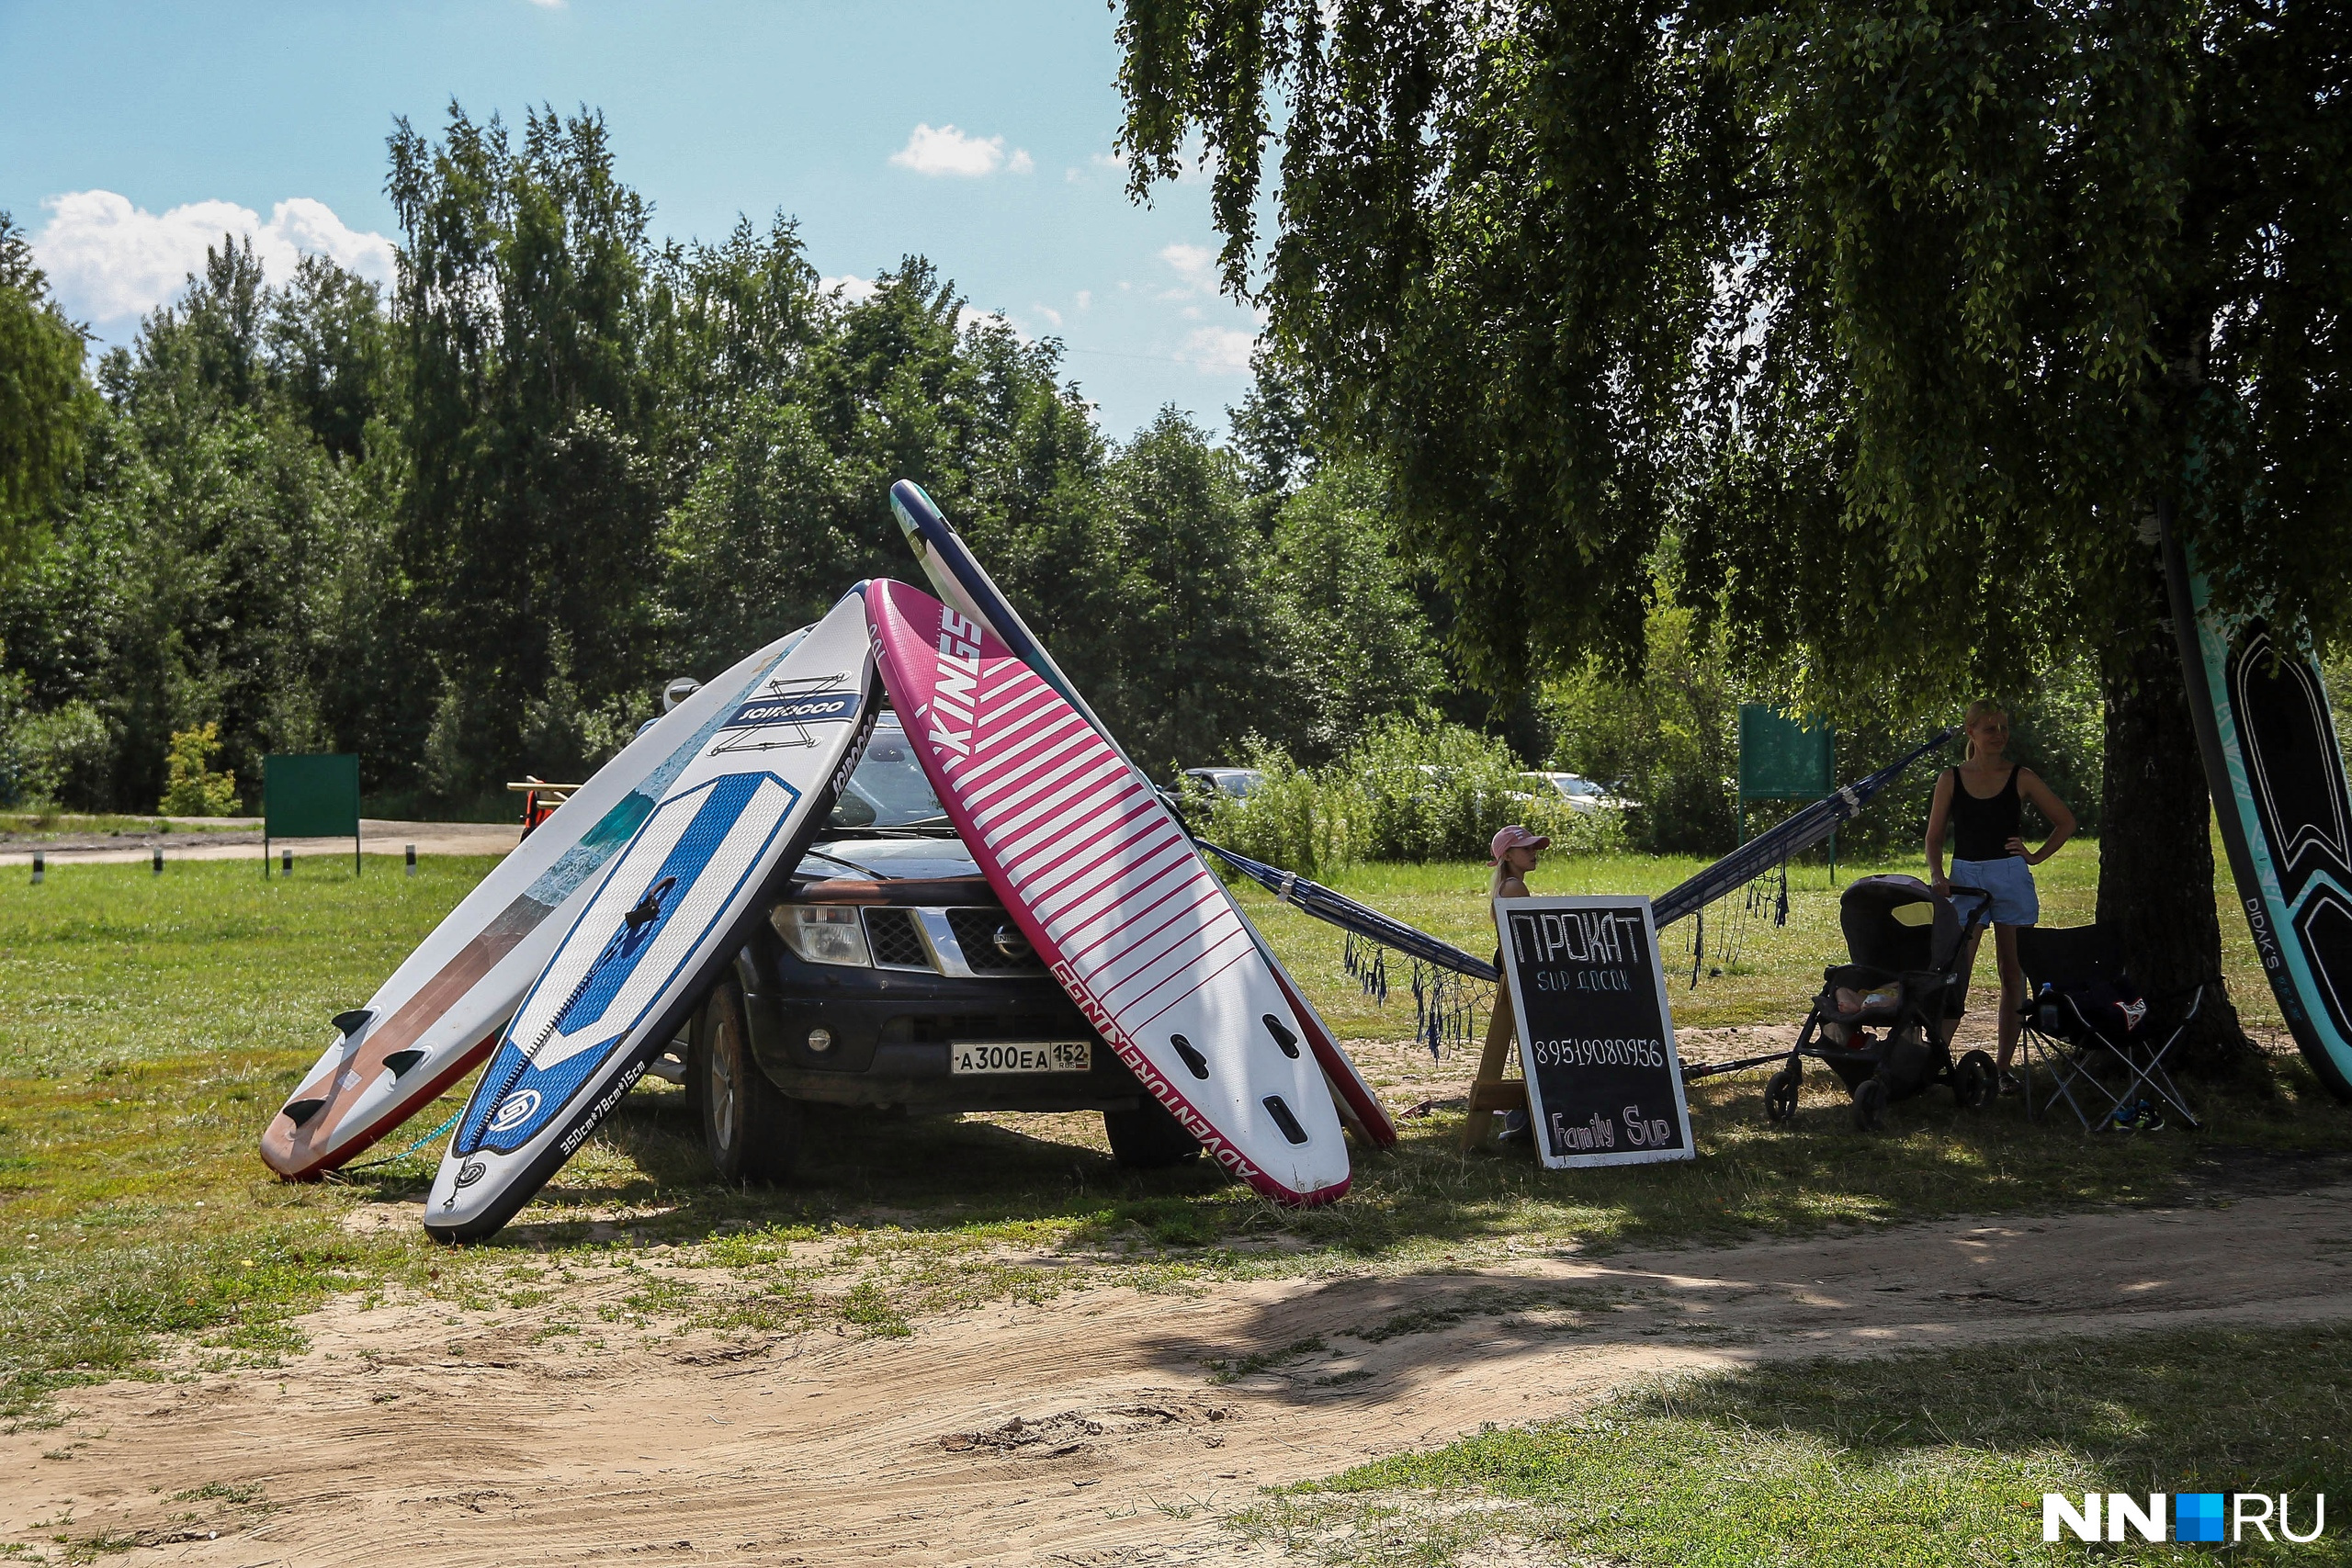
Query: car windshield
point(1571, 784)
point(889, 790)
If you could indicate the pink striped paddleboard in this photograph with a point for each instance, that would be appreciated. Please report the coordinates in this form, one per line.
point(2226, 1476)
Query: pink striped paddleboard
point(1105, 883)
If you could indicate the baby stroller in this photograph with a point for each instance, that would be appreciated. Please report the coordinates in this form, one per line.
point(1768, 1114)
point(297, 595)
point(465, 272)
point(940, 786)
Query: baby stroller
point(1884, 1022)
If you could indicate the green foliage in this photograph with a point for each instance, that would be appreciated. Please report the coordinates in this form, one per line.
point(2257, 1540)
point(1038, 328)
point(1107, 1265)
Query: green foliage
point(1312, 823)
point(1894, 321)
point(44, 403)
point(1354, 641)
point(1413, 788)
point(1669, 739)
point(190, 787)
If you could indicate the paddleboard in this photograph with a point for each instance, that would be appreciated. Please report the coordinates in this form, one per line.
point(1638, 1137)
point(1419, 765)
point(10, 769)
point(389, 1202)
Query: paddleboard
point(958, 578)
point(1105, 885)
point(440, 1012)
point(2276, 775)
point(670, 911)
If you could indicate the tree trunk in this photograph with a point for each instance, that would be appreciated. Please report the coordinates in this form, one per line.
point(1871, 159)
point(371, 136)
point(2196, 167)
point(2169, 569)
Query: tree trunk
point(2155, 882)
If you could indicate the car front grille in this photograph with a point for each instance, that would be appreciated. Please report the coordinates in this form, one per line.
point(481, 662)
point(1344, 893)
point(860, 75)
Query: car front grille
point(897, 943)
point(977, 933)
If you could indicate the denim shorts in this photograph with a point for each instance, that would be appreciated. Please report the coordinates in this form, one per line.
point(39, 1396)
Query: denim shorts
point(2010, 882)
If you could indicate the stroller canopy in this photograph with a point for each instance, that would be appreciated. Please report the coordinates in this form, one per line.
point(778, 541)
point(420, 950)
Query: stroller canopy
point(1896, 922)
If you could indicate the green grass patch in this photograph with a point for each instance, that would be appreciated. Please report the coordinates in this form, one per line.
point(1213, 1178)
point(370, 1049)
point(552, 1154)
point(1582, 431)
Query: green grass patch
point(150, 1026)
point(1918, 1459)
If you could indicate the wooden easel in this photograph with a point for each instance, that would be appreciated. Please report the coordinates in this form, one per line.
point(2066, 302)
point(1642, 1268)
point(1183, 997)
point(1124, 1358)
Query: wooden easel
point(1490, 1092)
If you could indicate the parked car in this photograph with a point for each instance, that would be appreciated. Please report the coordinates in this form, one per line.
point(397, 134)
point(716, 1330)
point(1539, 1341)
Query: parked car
point(1234, 782)
point(1584, 797)
point(888, 975)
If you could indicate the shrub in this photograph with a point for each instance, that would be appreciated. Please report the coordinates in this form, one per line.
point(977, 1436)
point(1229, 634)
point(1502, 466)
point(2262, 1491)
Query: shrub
point(58, 758)
point(190, 787)
point(1301, 821)
point(1410, 790)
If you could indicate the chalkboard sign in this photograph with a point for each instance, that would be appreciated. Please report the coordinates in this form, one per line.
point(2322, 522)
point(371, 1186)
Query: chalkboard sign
point(1604, 1086)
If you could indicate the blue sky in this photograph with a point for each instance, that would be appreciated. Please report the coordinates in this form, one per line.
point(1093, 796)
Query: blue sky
point(979, 135)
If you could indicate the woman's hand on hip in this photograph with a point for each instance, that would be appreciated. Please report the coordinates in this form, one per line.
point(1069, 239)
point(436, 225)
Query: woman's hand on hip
point(2017, 847)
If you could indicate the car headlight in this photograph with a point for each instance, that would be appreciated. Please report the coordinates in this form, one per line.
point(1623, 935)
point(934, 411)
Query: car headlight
point(823, 934)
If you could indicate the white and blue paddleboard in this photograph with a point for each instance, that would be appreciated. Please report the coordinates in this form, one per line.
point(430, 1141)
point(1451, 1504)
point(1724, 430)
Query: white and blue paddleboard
point(439, 1015)
point(668, 911)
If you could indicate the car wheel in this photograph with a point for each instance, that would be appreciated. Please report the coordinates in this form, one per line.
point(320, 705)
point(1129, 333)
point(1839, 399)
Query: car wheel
point(1148, 1137)
point(752, 1132)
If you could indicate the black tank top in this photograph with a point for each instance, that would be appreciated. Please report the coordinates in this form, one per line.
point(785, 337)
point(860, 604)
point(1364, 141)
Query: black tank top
point(1981, 829)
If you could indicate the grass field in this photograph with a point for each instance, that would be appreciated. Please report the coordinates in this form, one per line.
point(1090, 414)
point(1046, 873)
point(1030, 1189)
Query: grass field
point(1906, 1462)
point(30, 827)
point(150, 1026)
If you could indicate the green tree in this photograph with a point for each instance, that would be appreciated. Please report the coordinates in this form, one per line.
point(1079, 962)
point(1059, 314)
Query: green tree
point(1895, 322)
point(1352, 641)
point(1197, 637)
point(533, 501)
point(44, 403)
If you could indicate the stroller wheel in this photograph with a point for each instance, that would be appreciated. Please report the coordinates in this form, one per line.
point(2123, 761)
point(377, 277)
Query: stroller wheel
point(1972, 1081)
point(1781, 1094)
point(1869, 1105)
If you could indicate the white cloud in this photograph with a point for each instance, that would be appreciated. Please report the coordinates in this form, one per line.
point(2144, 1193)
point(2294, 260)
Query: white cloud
point(1195, 268)
point(1085, 298)
point(854, 289)
point(967, 319)
point(948, 151)
point(1219, 351)
point(109, 261)
point(1049, 313)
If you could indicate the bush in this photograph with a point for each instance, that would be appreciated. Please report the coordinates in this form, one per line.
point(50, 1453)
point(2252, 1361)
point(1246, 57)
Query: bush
point(1301, 821)
point(190, 787)
point(1412, 789)
point(58, 758)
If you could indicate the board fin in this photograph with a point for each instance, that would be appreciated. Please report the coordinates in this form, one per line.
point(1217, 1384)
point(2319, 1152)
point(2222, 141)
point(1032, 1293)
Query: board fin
point(350, 1024)
point(300, 1111)
point(401, 1061)
point(1282, 1037)
point(1192, 1058)
point(1280, 1111)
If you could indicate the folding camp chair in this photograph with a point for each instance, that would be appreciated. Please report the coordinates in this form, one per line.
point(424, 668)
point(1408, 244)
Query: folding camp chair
point(2083, 1015)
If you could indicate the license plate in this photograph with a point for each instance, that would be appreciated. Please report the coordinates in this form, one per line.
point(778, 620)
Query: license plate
point(1019, 1055)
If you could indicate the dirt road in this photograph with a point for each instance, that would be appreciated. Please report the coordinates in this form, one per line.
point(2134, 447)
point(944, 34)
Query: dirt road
point(1093, 1429)
point(242, 840)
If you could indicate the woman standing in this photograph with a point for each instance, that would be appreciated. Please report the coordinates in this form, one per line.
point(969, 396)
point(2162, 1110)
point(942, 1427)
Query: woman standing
point(1981, 801)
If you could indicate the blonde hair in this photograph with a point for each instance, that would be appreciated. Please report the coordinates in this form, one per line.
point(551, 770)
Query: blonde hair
point(1983, 707)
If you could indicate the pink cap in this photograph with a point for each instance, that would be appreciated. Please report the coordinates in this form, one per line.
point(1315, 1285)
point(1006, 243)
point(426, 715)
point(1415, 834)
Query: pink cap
point(1517, 838)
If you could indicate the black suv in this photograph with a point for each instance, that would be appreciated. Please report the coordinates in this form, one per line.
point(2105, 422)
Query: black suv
point(890, 976)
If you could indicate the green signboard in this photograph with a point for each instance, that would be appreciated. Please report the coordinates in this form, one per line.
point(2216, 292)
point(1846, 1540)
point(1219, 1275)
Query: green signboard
point(1782, 759)
point(310, 797)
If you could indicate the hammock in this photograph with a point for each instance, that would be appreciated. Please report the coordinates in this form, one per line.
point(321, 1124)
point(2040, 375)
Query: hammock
point(1766, 850)
point(1798, 834)
point(1289, 888)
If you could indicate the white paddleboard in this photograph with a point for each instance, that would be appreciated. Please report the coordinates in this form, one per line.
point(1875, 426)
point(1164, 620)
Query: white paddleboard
point(669, 910)
point(958, 578)
point(439, 1015)
point(1105, 885)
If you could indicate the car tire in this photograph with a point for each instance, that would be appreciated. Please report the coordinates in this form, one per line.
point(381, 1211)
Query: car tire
point(1148, 1137)
point(750, 1128)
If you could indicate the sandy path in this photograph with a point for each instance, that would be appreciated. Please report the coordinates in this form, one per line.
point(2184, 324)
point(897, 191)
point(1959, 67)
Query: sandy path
point(376, 837)
point(1087, 1430)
